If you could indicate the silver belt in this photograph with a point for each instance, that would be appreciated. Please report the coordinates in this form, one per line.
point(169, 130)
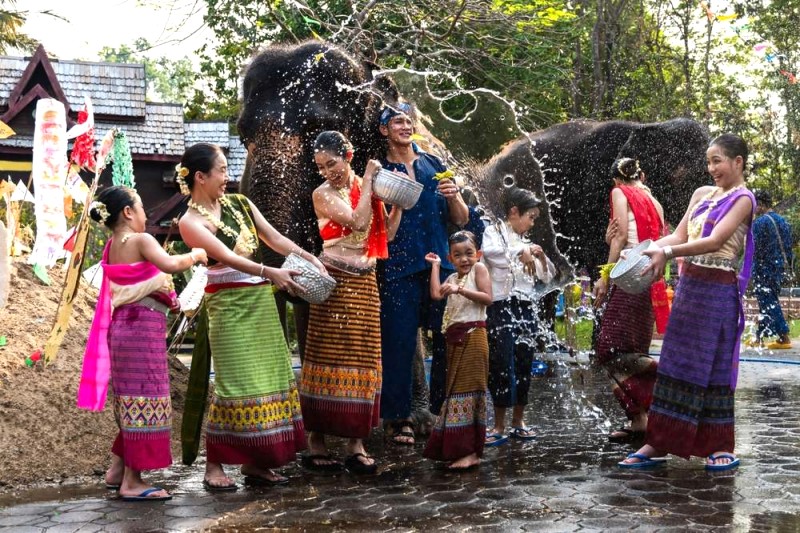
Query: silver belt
point(153, 304)
point(713, 262)
point(232, 276)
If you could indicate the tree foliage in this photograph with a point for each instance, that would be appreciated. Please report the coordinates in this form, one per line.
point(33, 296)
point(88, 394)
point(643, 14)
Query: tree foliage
point(642, 60)
point(168, 80)
point(11, 21)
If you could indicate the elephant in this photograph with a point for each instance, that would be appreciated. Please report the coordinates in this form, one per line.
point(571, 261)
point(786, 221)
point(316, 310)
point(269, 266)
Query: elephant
point(290, 93)
point(576, 159)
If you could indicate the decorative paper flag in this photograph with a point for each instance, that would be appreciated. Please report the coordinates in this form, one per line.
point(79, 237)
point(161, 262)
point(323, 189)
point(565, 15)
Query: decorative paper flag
point(77, 188)
point(760, 47)
point(122, 171)
point(729, 16)
point(83, 148)
point(5, 130)
point(49, 170)
point(105, 148)
point(22, 194)
point(94, 275)
point(7, 187)
point(709, 13)
point(789, 76)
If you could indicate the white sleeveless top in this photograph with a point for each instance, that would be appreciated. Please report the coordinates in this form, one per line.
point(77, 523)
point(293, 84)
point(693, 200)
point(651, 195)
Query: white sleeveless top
point(459, 308)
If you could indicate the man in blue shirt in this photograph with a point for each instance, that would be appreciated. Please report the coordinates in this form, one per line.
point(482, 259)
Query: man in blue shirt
point(773, 256)
point(404, 289)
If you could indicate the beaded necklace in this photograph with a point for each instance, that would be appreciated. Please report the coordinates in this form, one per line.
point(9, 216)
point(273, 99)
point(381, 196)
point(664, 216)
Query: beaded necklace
point(696, 224)
point(245, 240)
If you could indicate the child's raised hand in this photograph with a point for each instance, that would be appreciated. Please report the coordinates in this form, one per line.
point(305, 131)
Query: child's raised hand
point(433, 259)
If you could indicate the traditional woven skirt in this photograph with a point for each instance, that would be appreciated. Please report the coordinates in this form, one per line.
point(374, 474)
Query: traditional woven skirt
point(460, 428)
point(254, 416)
point(140, 379)
point(692, 409)
point(622, 349)
point(340, 385)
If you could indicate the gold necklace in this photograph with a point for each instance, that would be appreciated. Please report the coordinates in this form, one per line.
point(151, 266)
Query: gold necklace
point(245, 240)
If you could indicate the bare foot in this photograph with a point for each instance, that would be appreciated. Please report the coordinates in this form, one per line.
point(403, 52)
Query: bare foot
point(132, 486)
point(215, 476)
point(403, 432)
point(465, 462)
point(115, 471)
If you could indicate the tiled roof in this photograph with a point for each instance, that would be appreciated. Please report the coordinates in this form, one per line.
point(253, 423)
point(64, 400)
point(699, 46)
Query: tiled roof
point(115, 88)
point(160, 134)
point(206, 132)
point(236, 158)
point(217, 133)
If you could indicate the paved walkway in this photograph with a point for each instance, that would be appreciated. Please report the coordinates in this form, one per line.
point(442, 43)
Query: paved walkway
point(567, 480)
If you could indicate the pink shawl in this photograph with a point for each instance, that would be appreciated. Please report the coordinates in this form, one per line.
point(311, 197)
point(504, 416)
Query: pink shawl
point(96, 360)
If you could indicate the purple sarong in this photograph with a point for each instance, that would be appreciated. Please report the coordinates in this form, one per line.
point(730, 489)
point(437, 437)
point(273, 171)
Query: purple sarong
point(140, 380)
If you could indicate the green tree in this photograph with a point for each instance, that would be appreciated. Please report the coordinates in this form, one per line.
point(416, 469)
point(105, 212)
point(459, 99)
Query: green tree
point(11, 20)
point(168, 80)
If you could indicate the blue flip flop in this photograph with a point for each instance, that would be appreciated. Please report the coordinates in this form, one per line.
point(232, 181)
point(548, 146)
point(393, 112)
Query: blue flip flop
point(729, 466)
point(144, 496)
point(495, 439)
point(644, 461)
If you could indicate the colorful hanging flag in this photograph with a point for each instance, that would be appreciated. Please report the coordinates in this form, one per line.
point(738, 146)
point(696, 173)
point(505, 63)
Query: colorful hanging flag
point(49, 170)
point(122, 171)
point(5, 130)
point(729, 16)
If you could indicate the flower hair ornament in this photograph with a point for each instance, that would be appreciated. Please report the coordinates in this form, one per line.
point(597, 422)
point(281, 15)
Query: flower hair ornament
point(625, 161)
point(100, 209)
point(181, 173)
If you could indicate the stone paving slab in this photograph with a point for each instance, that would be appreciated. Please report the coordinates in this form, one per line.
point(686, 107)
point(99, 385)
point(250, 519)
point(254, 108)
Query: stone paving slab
point(566, 480)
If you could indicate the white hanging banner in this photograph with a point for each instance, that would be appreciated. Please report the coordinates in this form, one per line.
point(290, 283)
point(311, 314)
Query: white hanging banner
point(49, 171)
point(21, 193)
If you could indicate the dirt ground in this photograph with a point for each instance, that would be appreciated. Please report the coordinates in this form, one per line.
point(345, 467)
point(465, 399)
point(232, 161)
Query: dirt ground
point(44, 437)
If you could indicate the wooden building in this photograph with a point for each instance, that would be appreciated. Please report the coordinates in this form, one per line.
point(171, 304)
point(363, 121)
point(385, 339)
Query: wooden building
point(156, 131)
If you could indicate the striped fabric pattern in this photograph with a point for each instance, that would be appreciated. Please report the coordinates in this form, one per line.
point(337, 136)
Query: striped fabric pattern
point(140, 380)
point(622, 349)
point(692, 410)
point(255, 411)
point(460, 428)
point(340, 383)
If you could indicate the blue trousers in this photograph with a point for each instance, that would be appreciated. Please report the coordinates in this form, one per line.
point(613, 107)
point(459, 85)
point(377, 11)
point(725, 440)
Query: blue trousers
point(406, 305)
point(512, 325)
point(770, 322)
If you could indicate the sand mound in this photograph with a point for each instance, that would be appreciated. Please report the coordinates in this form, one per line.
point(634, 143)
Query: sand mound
point(44, 437)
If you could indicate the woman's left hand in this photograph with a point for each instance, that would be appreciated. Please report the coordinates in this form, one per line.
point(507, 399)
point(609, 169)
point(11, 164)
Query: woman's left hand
point(658, 261)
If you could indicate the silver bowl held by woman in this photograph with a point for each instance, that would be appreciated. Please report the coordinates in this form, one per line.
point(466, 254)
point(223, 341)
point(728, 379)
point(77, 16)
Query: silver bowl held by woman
point(396, 189)
point(317, 286)
point(627, 273)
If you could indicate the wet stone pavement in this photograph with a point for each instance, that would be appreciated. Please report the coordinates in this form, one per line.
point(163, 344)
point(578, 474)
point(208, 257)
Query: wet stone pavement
point(566, 480)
